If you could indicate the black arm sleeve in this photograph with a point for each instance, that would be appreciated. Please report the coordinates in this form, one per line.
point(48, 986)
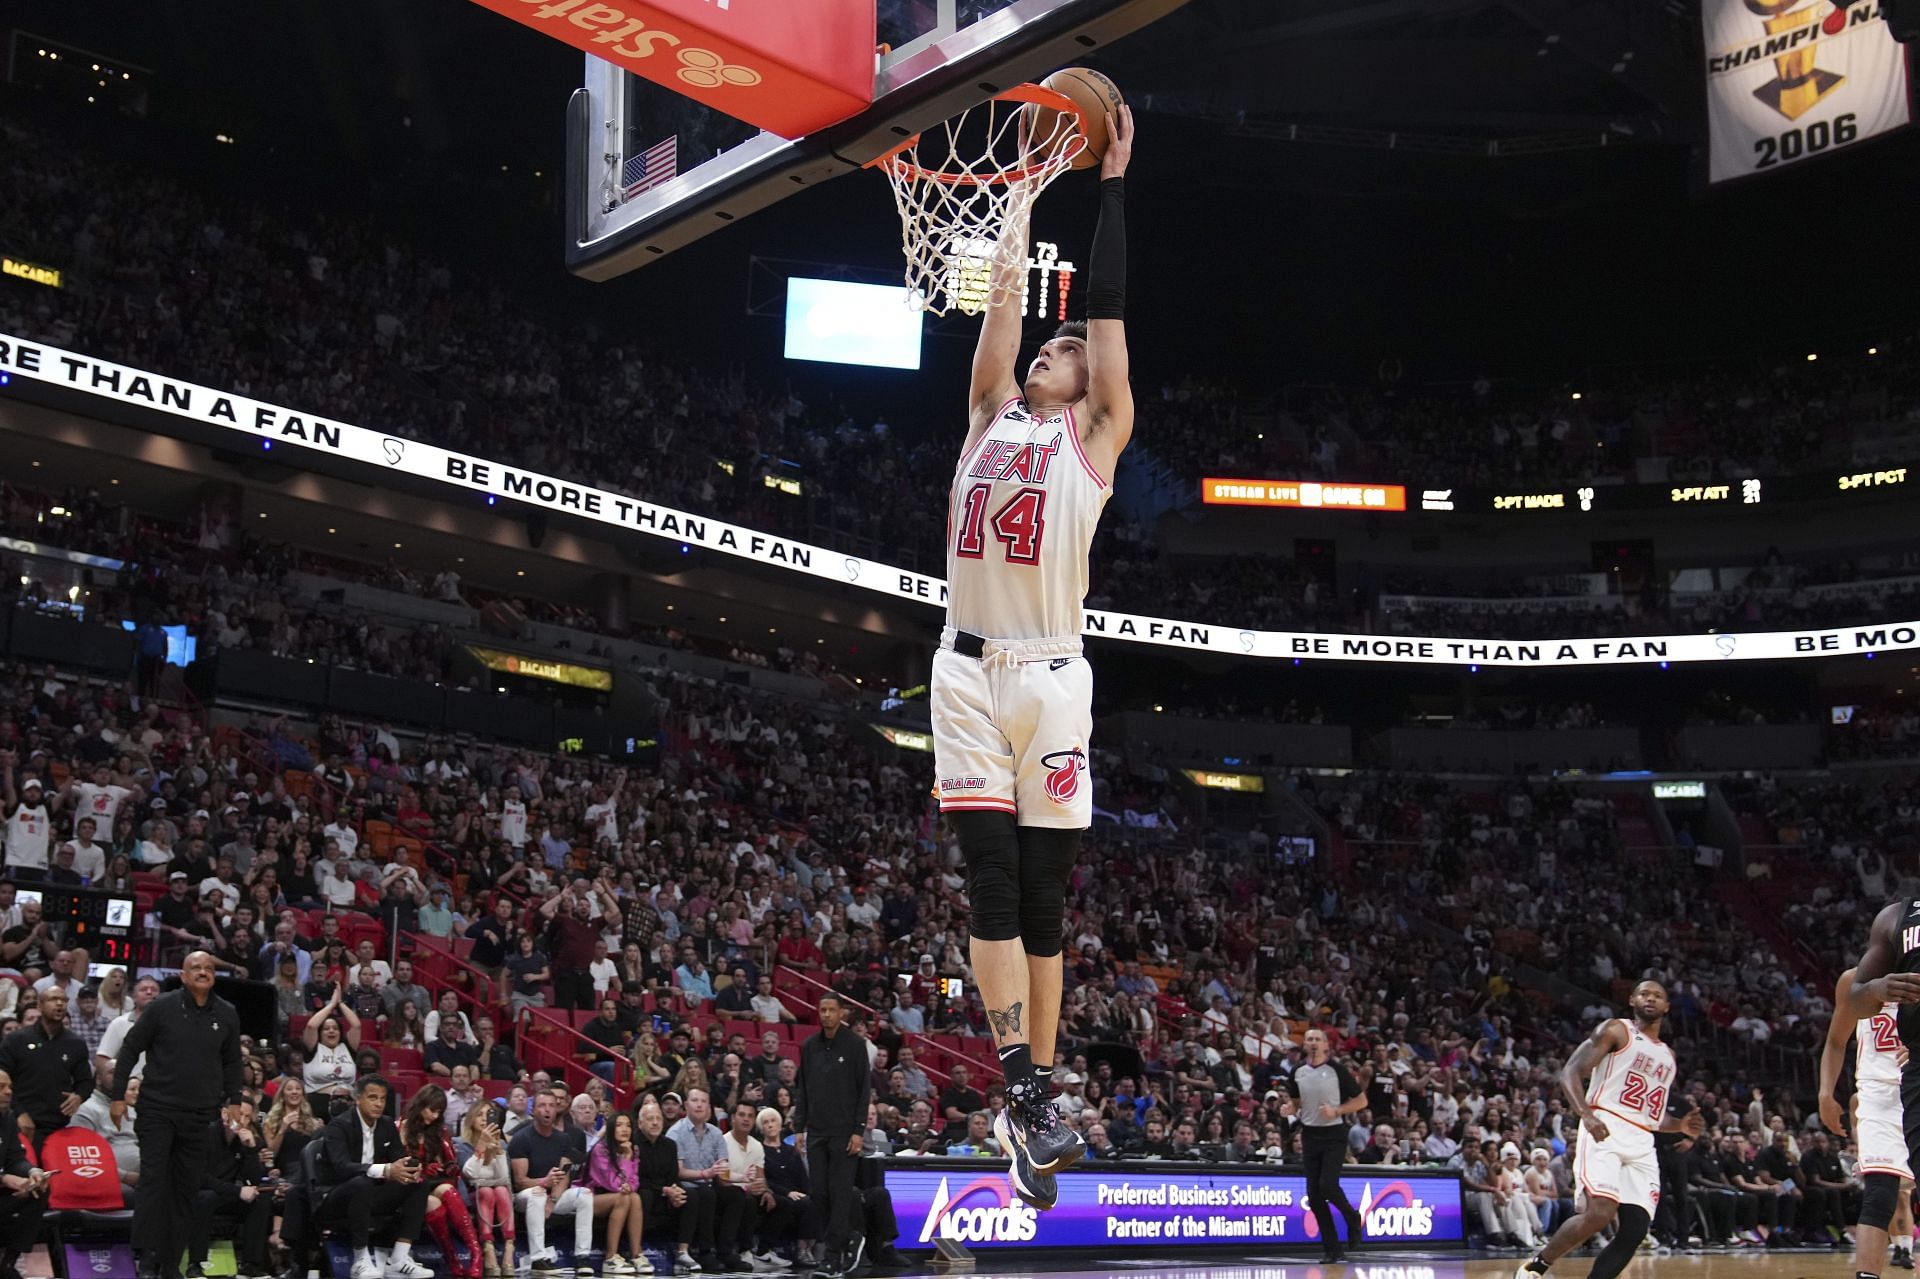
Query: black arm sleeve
point(1107, 269)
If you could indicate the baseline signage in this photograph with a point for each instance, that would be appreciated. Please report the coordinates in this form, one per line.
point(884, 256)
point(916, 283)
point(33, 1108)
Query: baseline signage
point(1787, 81)
point(484, 481)
point(1162, 1207)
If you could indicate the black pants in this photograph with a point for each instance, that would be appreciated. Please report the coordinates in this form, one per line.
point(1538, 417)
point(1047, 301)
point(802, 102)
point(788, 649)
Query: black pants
point(690, 1220)
point(1324, 1156)
point(1674, 1221)
point(1720, 1204)
point(831, 1170)
point(733, 1216)
point(20, 1223)
point(251, 1224)
point(362, 1200)
point(881, 1225)
point(573, 990)
point(173, 1164)
point(769, 1226)
point(697, 1216)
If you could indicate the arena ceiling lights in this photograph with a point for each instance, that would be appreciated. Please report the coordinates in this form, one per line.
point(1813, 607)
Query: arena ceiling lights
point(474, 478)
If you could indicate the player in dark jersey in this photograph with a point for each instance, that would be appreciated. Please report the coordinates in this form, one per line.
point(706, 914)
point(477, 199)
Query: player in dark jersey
point(1889, 973)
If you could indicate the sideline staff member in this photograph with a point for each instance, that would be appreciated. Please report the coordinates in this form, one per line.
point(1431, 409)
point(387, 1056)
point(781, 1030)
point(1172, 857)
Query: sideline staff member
point(830, 1108)
point(1326, 1093)
point(183, 1034)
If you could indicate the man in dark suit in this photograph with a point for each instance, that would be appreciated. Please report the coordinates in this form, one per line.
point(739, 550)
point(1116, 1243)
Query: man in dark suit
point(25, 1186)
point(233, 1194)
point(367, 1174)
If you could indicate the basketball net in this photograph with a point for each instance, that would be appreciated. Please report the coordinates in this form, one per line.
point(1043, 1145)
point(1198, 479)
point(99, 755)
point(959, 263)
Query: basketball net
point(955, 210)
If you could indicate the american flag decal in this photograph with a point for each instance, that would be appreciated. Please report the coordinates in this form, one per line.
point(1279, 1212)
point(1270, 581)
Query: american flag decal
point(651, 167)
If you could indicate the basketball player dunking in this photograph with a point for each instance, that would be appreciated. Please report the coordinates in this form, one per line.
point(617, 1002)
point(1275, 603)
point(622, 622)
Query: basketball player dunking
point(1888, 974)
point(1629, 1073)
point(1012, 697)
point(1885, 1172)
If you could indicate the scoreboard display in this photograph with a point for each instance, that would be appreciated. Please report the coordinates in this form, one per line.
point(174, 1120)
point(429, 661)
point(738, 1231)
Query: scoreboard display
point(105, 921)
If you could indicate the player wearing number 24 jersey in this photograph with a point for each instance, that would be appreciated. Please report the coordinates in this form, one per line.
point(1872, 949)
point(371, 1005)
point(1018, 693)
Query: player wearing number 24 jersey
point(1628, 1075)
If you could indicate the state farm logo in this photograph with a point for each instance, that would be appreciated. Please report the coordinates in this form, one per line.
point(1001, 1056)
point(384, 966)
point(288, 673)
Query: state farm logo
point(633, 38)
point(983, 1212)
point(1395, 1213)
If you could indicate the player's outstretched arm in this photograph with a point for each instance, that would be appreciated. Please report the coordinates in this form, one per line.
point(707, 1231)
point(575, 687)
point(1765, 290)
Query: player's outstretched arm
point(1834, 1053)
point(1109, 422)
point(996, 357)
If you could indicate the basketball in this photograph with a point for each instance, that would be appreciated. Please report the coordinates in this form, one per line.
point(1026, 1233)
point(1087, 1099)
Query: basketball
point(1095, 95)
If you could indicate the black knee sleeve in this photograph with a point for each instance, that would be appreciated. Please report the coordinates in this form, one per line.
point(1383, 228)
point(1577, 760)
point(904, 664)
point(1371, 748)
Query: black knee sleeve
point(1634, 1223)
point(990, 842)
point(1047, 856)
point(1879, 1200)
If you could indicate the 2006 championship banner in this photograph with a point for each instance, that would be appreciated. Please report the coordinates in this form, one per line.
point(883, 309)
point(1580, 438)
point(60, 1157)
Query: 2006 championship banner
point(1159, 1209)
point(1789, 79)
point(468, 478)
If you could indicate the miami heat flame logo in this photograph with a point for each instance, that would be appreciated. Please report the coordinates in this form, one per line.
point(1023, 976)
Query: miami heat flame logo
point(1064, 770)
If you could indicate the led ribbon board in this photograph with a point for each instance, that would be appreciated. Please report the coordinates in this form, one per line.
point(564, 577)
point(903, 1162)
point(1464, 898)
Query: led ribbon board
point(463, 473)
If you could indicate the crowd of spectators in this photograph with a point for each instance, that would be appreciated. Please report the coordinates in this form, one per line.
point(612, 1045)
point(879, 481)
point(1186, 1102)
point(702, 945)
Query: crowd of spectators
point(768, 839)
point(765, 838)
point(336, 314)
point(1713, 423)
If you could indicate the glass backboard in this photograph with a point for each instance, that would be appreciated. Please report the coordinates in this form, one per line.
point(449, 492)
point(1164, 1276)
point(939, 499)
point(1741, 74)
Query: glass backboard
point(649, 171)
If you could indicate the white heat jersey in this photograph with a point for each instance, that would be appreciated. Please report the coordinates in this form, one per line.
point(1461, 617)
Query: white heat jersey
point(28, 834)
point(1632, 1082)
point(1877, 1047)
point(1020, 523)
point(513, 822)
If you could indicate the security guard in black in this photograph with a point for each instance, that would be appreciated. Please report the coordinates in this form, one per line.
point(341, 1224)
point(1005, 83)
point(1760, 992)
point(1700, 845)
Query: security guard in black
point(191, 1038)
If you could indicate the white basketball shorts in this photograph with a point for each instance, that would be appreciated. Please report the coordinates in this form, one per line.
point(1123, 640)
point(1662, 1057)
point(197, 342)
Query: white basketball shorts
point(1010, 731)
point(1621, 1168)
point(1879, 1129)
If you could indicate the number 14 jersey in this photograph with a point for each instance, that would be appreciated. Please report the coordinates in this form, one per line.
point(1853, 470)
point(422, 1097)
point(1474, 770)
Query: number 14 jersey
point(1020, 524)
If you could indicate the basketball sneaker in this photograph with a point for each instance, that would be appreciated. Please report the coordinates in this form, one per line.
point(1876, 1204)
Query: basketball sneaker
point(1039, 1190)
point(1049, 1144)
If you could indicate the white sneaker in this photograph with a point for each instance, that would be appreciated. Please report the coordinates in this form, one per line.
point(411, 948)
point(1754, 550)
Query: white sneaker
point(407, 1269)
point(774, 1261)
point(640, 1265)
point(367, 1270)
point(617, 1265)
point(683, 1263)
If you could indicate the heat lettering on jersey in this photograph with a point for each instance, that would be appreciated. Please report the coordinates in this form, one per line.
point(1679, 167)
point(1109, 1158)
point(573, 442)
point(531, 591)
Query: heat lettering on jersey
point(1910, 939)
point(1024, 461)
point(1025, 484)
